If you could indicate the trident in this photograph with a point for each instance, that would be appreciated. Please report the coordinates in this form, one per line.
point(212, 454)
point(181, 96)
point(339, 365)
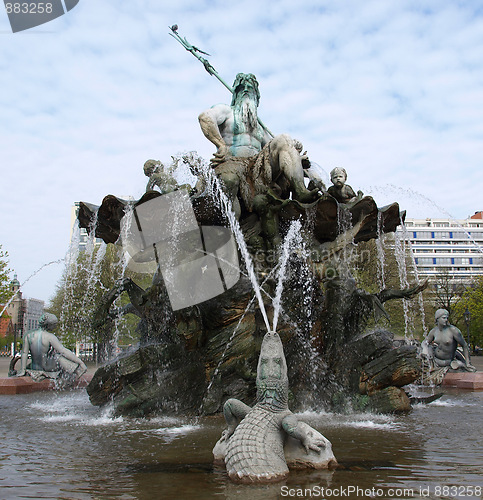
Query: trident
point(211, 70)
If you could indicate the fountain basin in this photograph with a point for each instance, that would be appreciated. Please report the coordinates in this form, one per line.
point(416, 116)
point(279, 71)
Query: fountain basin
point(57, 445)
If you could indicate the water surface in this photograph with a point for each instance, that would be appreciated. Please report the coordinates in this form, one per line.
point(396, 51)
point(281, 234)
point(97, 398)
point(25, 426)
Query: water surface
point(56, 445)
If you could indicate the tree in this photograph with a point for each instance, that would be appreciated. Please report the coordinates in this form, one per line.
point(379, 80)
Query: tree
point(447, 291)
point(473, 300)
point(86, 279)
point(6, 342)
point(387, 264)
point(5, 292)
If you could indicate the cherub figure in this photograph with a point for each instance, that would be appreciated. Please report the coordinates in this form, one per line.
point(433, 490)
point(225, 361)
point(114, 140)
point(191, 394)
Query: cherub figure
point(159, 176)
point(341, 191)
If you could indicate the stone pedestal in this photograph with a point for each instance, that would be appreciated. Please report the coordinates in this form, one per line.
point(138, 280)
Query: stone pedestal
point(25, 385)
point(470, 381)
point(298, 458)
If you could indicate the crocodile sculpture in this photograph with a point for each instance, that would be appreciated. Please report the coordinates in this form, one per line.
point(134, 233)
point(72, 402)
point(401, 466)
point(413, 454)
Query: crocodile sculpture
point(252, 446)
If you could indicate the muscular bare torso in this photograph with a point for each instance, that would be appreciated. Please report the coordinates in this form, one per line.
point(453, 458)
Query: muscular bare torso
point(240, 141)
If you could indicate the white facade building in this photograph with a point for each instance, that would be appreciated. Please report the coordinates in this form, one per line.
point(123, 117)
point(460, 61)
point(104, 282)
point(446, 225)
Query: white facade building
point(447, 246)
point(33, 310)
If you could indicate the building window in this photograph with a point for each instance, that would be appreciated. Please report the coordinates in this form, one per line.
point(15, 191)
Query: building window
point(443, 261)
point(440, 234)
point(422, 234)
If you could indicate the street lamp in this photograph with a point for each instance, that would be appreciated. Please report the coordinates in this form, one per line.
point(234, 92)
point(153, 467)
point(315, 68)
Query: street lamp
point(467, 317)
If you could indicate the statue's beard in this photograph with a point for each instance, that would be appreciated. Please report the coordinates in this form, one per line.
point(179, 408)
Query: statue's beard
point(245, 114)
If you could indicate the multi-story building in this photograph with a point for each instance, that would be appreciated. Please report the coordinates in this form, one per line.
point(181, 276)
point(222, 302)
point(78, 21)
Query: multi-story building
point(33, 310)
point(446, 246)
point(15, 309)
point(24, 313)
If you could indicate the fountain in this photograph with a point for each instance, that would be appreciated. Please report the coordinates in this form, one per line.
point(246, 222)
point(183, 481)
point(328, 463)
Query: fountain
point(293, 278)
point(195, 355)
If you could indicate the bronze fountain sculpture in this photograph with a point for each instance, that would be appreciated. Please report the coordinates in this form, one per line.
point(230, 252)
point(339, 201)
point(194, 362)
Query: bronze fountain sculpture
point(257, 186)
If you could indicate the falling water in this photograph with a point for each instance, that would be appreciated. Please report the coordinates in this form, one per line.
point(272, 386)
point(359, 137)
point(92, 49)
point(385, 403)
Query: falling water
point(85, 270)
point(91, 266)
point(407, 240)
point(400, 256)
point(93, 269)
point(88, 267)
point(423, 317)
point(235, 330)
point(380, 251)
point(414, 195)
point(121, 266)
point(293, 240)
point(235, 227)
point(68, 278)
point(292, 237)
point(125, 235)
point(344, 224)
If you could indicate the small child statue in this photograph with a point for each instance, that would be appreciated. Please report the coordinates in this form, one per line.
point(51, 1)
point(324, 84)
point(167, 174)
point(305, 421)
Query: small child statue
point(159, 176)
point(341, 191)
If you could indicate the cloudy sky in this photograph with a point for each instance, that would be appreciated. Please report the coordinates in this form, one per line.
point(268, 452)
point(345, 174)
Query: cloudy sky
point(390, 90)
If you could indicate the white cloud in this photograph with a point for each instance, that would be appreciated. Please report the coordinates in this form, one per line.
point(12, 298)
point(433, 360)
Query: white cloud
point(392, 91)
